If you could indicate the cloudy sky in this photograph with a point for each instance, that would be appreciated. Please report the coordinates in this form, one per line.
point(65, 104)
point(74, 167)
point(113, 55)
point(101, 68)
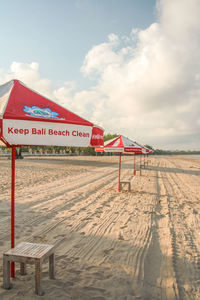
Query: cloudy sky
point(130, 66)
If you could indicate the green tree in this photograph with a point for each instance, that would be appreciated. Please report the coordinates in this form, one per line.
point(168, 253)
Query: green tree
point(149, 147)
point(110, 136)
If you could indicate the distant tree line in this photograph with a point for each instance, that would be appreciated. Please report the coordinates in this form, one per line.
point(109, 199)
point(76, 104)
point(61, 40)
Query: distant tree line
point(57, 149)
point(175, 152)
point(172, 152)
point(85, 151)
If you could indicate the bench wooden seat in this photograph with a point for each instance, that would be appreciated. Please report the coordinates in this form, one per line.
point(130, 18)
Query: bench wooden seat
point(27, 253)
point(122, 183)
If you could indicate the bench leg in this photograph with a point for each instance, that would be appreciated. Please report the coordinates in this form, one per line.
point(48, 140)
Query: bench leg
point(38, 271)
point(124, 183)
point(6, 273)
point(22, 268)
point(51, 266)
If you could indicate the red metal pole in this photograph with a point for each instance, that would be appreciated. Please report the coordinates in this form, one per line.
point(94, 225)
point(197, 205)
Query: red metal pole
point(12, 268)
point(120, 157)
point(134, 165)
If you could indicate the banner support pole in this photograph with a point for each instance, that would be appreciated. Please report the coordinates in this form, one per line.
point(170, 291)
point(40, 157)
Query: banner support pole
point(12, 267)
point(134, 165)
point(120, 157)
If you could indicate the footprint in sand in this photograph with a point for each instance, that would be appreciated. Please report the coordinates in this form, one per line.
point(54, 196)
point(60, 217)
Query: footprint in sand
point(78, 246)
point(95, 289)
point(120, 237)
point(74, 271)
point(61, 235)
point(107, 251)
point(86, 219)
point(68, 225)
point(123, 227)
point(4, 213)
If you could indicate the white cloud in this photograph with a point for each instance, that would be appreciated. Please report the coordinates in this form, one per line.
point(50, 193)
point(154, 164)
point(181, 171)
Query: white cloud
point(148, 83)
point(101, 56)
point(29, 74)
point(153, 92)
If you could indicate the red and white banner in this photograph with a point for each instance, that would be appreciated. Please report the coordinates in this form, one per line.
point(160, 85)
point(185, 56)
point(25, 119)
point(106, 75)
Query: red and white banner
point(97, 137)
point(113, 149)
point(28, 118)
point(21, 132)
point(106, 149)
point(120, 144)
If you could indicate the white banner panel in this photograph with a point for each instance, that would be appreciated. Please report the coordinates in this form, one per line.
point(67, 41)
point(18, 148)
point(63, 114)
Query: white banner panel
point(19, 132)
point(144, 151)
point(112, 149)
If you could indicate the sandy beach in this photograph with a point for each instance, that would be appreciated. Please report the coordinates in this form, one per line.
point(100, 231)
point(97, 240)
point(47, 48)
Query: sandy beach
point(142, 244)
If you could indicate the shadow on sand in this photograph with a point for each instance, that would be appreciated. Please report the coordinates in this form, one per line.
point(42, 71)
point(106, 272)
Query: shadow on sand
point(172, 170)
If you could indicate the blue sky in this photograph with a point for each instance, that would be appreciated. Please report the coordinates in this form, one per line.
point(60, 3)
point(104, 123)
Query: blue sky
point(130, 66)
point(58, 34)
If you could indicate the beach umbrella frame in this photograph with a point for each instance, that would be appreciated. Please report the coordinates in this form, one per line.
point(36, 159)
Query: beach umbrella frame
point(121, 144)
point(26, 119)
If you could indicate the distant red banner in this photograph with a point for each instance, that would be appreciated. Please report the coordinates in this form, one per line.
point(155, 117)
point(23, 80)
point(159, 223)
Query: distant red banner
point(97, 137)
point(133, 150)
point(99, 149)
point(1, 129)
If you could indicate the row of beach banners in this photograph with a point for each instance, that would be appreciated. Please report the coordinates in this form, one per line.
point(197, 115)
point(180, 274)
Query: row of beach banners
point(28, 118)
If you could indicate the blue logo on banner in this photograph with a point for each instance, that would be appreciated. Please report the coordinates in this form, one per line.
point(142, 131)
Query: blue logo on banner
point(36, 111)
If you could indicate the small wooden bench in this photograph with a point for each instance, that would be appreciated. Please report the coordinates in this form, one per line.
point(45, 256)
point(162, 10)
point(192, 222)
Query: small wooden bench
point(27, 253)
point(122, 183)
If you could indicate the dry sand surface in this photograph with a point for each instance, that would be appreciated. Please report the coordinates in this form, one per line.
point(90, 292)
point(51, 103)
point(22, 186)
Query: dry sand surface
point(142, 244)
